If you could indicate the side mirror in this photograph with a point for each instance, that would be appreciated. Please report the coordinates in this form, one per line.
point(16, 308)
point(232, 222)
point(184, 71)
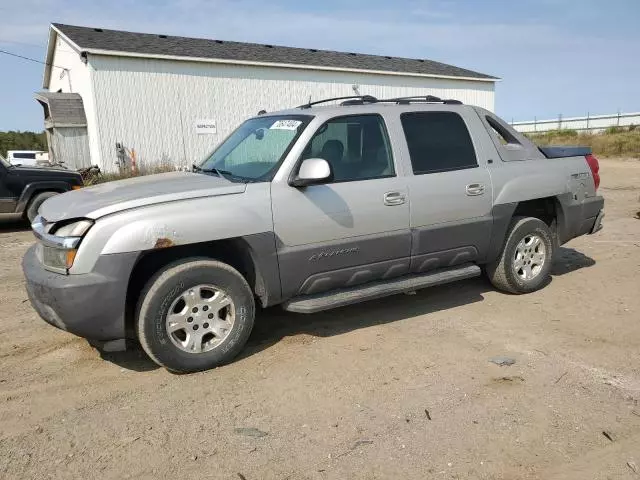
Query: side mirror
point(312, 172)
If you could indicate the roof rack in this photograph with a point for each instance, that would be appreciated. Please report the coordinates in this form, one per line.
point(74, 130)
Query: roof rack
point(363, 99)
point(351, 100)
point(423, 99)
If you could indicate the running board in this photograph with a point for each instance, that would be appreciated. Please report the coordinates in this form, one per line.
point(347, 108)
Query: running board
point(371, 291)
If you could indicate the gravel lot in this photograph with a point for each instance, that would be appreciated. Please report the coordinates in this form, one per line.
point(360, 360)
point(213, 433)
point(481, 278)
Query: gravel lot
point(396, 388)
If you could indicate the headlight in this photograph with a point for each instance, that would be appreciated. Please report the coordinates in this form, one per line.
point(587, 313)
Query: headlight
point(75, 229)
point(54, 254)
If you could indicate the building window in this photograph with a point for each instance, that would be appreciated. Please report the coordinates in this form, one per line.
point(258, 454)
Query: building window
point(438, 142)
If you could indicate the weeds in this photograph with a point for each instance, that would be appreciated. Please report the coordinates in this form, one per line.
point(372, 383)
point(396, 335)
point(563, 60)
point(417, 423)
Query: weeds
point(165, 165)
point(613, 142)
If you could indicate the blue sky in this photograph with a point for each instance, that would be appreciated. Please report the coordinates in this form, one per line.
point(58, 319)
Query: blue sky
point(554, 56)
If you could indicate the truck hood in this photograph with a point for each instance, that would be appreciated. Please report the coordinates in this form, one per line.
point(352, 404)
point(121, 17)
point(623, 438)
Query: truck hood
point(44, 173)
point(111, 197)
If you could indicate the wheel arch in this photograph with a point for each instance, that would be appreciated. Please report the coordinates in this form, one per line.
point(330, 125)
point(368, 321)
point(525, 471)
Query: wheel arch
point(32, 189)
point(548, 209)
point(252, 256)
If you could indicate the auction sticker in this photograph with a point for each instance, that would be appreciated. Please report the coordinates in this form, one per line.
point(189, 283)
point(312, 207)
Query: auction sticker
point(285, 125)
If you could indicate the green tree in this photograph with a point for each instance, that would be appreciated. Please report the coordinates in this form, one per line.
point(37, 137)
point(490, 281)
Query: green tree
point(22, 141)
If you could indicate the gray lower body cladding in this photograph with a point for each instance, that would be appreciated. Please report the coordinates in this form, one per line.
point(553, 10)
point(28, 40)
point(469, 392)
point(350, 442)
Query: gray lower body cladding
point(330, 265)
point(317, 268)
point(90, 305)
point(349, 296)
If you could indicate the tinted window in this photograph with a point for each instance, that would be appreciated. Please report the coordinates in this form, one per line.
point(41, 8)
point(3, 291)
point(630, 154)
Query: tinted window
point(438, 142)
point(504, 136)
point(357, 147)
point(30, 156)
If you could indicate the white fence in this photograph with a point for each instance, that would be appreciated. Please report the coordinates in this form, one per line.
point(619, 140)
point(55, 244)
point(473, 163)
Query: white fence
point(588, 123)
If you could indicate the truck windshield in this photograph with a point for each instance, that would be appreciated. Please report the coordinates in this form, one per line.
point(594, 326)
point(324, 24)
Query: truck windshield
point(254, 151)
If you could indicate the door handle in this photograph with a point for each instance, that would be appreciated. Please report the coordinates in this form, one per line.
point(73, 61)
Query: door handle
point(394, 198)
point(475, 189)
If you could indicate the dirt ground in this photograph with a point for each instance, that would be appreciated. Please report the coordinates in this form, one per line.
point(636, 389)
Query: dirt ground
point(396, 388)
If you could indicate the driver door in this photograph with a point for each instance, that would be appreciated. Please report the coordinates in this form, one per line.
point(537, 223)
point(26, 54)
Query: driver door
point(353, 229)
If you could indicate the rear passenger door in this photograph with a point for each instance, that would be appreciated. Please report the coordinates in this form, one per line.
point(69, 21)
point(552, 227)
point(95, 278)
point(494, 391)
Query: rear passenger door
point(450, 189)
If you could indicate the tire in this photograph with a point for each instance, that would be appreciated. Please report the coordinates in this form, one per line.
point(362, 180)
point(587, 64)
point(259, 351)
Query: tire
point(36, 202)
point(186, 282)
point(510, 270)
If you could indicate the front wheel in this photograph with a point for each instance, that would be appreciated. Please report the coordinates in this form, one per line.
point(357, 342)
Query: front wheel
point(524, 264)
point(195, 315)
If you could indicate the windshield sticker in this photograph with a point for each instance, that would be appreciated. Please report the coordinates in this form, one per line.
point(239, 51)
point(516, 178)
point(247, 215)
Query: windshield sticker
point(285, 125)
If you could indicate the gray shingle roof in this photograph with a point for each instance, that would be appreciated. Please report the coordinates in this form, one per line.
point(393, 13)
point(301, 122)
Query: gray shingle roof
point(145, 43)
point(64, 109)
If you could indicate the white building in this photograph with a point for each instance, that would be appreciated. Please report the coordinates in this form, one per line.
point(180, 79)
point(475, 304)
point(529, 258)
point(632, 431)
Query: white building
point(173, 98)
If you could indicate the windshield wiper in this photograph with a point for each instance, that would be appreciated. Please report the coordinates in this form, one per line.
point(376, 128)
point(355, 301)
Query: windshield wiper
point(218, 172)
point(226, 174)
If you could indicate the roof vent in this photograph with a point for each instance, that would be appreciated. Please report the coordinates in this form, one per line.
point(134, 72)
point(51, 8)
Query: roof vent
point(162, 36)
point(269, 46)
point(421, 61)
point(97, 29)
point(219, 41)
point(388, 58)
point(353, 54)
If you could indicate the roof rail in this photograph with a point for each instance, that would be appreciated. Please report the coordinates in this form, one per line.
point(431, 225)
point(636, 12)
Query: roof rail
point(363, 99)
point(417, 99)
point(352, 100)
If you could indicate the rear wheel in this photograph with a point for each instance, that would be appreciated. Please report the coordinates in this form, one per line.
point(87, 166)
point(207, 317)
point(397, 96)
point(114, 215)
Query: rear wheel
point(195, 315)
point(525, 261)
point(36, 202)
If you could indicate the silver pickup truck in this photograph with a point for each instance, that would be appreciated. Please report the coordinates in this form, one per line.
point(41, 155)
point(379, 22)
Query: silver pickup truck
point(311, 208)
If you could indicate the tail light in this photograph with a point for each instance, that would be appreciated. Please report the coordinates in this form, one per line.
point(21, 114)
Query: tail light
point(595, 168)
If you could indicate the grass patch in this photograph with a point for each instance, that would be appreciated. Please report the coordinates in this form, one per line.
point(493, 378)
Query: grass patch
point(613, 142)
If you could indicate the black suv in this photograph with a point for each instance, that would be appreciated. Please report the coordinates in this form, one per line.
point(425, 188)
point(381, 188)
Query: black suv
point(23, 189)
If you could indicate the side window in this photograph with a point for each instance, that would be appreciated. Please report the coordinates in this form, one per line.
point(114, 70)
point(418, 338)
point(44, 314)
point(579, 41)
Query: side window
point(357, 147)
point(25, 156)
point(438, 142)
point(502, 134)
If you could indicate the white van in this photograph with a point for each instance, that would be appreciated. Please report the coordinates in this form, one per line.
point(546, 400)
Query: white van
point(31, 158)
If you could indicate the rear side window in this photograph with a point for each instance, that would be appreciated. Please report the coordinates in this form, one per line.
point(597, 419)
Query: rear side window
point(29, 156)
point(438, 142)
point(504, 136)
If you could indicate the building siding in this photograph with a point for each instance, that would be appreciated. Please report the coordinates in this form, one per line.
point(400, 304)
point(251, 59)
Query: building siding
point(71, 144)
point(152, 105)
point(78, 79)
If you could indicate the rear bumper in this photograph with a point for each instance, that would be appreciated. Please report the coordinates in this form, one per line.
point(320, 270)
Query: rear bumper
point(90, 305)
point(578, 218)
point(591, 215)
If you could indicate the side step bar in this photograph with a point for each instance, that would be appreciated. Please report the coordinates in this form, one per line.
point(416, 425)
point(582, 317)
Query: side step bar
point(370, 291)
